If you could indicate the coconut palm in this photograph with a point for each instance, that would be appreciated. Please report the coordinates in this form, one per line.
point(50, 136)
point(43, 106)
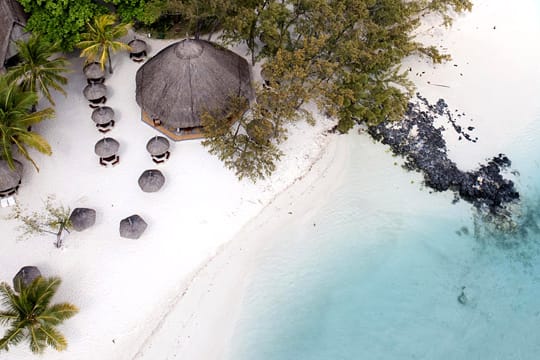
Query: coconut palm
point(29, 315)
point(98, 42)
point(37, 71)
point(15, 120)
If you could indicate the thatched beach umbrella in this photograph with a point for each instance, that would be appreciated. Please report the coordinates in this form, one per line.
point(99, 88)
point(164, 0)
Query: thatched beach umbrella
point(25, 277)
point(82, 218)
point(132, 227)
point(158, 145)
point(151, 180)
point(188, 78)
point(95, 92)
point(103, 115)
point(10, 179)
point(94, 72)
point(106, 147)
point(138, 48)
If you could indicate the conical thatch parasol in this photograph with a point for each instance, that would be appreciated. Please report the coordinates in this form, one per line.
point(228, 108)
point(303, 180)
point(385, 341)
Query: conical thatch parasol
point(158, 145)
point(82, 218)
point(94, 91)
point(106, 147)
point(9, 178)
point(137, 46)
point(25, 277)
point(151, 180)
point(188, 78)
point(132, 227)
point(103, 115)
point(93, 71)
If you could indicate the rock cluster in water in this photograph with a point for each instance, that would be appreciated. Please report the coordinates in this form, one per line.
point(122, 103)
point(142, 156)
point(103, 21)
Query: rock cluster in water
point(424, 148)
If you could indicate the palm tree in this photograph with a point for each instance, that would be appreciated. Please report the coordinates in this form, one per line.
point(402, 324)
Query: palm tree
point(15, 120)
point(30, 316)
point(36, 71)
point(99, 40)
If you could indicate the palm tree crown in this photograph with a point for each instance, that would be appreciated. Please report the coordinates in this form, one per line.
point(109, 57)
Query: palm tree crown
point(30, 316)
point(98, 42)
point(15, 120)
point(36, 71)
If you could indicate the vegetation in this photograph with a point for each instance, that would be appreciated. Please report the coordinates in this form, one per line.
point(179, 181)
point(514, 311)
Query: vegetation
point(29, 315)
point(16, 118)
point(99, 40)
point(53, 219)
point(37, 70)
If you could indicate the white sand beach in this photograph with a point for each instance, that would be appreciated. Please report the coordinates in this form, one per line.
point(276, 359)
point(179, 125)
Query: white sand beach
point(175, 292)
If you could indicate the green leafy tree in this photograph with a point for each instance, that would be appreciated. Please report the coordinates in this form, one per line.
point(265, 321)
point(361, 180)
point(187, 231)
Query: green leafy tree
point(15, 120)
point(144, 11)
point(30, 316)
point(60, 21)
point(38, 70)
point(99, 40)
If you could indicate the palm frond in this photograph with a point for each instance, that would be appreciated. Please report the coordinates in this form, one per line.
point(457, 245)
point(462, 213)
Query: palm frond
point(53, 337)
point(56, 314)
point(13, 336)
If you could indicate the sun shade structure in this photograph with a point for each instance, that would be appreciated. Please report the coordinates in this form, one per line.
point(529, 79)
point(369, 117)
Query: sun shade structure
point(132, 227)
point(94, 73)
point(10, 179)
point(151, 180)
point(96, 94)
point(158, 147)
point(187, 79)
point(12, 23)
point(138, 50)
point(104, 118)
point(82, 218)
point(25, 277)
point(107, 150)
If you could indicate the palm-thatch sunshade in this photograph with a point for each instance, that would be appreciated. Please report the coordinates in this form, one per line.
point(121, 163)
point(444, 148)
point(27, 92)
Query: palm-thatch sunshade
point(138, 49)
point(82, 218)
point(187, 79)
point(103, 115)
point(106, 147)
point(10, 179)
point(132, 227)
point(158, 145)
point(12, 24)
point(151, 180)
point(25, 277)
point(95, 93)
point(94, 72)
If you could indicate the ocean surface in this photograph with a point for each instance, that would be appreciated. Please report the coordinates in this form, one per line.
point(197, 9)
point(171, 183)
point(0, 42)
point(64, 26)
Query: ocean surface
point(382, 268)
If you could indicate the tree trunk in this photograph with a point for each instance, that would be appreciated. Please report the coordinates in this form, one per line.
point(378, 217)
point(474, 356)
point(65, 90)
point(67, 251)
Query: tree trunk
point(110, 64)
point(58, 242)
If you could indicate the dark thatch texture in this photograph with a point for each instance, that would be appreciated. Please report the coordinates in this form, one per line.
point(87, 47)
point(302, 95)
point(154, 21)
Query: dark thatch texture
point(95, 91)
point(25, 277)
point(93, 71)
point(9, 179)
point(132, 227)
point(190, 77)
point(103, 115)
point(158, 145)
point(106, 147)
point(137, 46)
point(82, 218)
point(151, 180)
point(12, 22)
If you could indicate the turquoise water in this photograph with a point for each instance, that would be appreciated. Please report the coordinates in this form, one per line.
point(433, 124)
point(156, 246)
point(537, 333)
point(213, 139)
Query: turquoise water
point(375, 272)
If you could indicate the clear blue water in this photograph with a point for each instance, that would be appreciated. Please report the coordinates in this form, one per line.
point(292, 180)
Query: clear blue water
point(375, 273)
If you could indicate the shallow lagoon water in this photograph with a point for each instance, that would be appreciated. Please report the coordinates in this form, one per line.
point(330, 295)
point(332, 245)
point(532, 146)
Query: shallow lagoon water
point(375, 272)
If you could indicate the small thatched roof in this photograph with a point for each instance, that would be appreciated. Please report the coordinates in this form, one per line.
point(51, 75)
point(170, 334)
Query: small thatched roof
point(95, 91)
point(132, 227)
point(158, 145)
point(10, 178)
point(103, 115)
point(25, 277)
point(137, 46)
point(190, 77)
point(93, 70)
point(12, 22)
point(106, 147)
point(151, 180)
point(82, 218)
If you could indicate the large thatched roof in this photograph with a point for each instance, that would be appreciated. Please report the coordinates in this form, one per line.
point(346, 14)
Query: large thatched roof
point(12, 22)
point(188, 78)
point(9, 178)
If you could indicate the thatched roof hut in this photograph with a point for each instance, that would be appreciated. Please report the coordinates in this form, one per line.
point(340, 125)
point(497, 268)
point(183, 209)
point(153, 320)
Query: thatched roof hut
point(94, 71)
point(103, 115)
point(94, 92)
point(82, 218)
point(186, 79)
point(25, 277)
point(151, 180)
point(10, 179)
point(106, 147)
point(12, 23)
point(132, 227)
point(158, 145)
